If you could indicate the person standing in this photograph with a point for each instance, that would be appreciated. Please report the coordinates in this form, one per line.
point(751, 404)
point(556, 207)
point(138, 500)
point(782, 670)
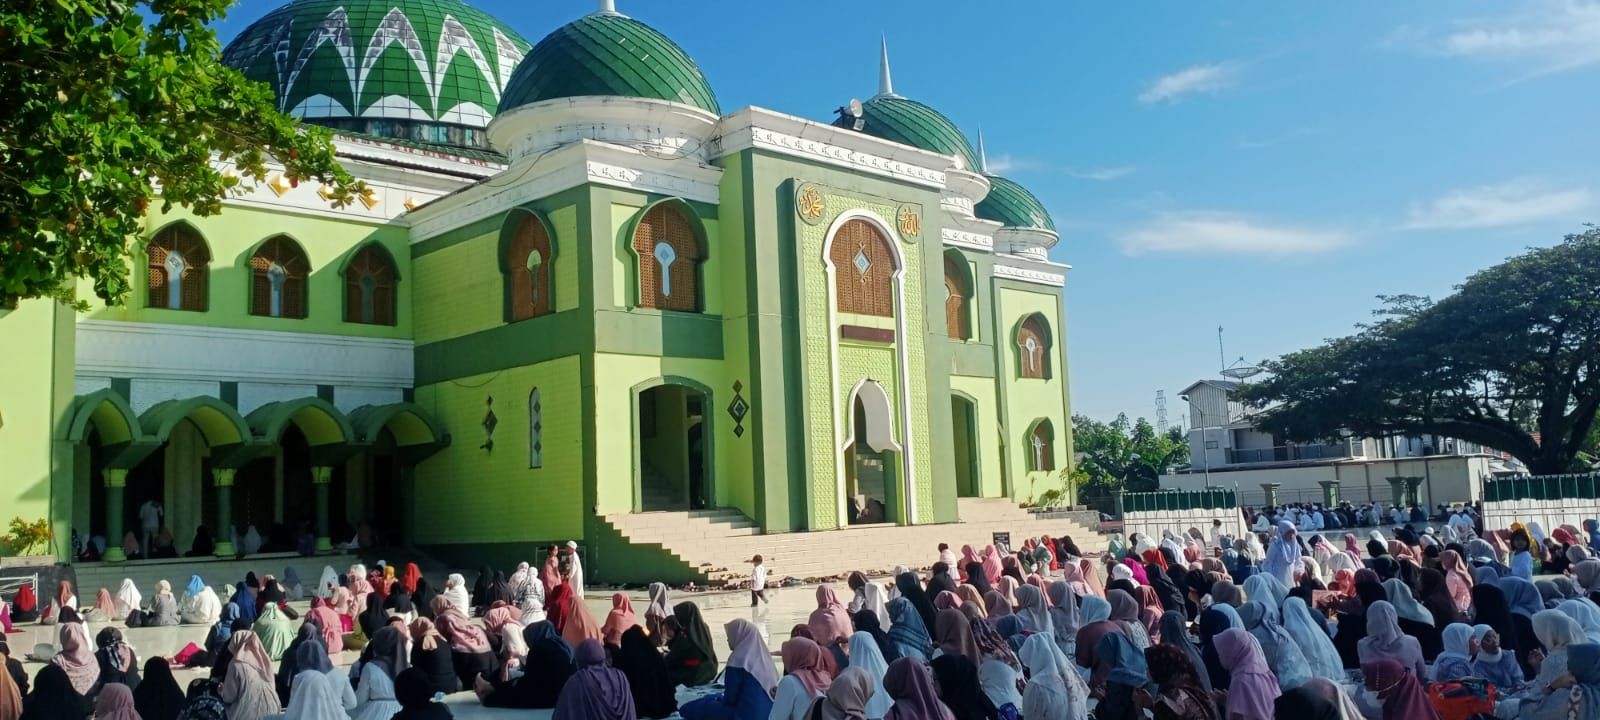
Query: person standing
point(150, 514)
point(758, 582)
point(574, 571)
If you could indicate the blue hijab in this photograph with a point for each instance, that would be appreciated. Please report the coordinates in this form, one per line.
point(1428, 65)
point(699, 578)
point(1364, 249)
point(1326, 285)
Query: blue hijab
point(225, 622)
point(1522, 596)
point(1593, 528)
point(906, 630)
point(246, 602)
point(195, 586)
point(1127, 661)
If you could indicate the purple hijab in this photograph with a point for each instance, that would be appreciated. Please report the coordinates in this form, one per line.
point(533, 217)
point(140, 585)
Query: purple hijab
point(910, 684)
point(1254, 689)
point(596, 691)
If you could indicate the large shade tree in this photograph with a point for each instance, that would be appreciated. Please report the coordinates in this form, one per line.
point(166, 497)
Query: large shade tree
point(1511, 360)
point(1124, 454)
point(107, 107)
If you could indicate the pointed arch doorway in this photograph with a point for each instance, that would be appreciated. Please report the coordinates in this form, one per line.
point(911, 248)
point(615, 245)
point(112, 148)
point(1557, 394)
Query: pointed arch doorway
point(870, 489)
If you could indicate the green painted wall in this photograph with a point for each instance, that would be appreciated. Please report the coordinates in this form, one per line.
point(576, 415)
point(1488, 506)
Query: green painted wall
point(1027, 400)
point(507, 500)
point(615, 379)
point(991, 473)
point(35, 399)
point(233, 236)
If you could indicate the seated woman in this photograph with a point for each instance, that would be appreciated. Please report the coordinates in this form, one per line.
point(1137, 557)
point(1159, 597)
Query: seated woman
point(748, 681)
point(118, 663)
point(382, 660)
point(199, 604)
point(691, 654)
point(803, 680)
point(654, 696)
point(595, 691)
point(546, 669)
point(469, 645)
point(163, 608)
point(430, 653)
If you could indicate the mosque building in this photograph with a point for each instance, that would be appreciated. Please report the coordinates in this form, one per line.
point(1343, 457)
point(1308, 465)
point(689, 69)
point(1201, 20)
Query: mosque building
point(577, 287)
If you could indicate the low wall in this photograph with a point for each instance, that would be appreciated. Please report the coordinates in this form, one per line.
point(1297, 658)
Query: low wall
point(1550, 500)
point(1152, 512)
point(1446, 479)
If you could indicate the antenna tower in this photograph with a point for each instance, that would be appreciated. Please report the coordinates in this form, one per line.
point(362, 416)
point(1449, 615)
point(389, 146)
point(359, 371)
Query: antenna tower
point(1161, 411)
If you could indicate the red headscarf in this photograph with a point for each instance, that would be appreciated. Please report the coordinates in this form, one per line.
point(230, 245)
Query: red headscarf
point(25, 601)
point(1155, 556)
point(968, 556)
point(328, 620)
point(558, 605)
point(409, 580)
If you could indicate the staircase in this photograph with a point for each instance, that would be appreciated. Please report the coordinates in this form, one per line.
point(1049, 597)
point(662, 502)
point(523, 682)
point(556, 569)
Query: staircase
point(715, 545)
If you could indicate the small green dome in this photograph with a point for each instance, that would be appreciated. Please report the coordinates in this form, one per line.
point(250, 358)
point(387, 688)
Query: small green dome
point(1013, 206)
point(909, 122)
point(426, 70)
point(609, 54)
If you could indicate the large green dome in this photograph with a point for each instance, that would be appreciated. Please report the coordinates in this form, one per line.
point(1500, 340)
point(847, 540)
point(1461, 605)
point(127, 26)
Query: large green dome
point(430, 70)
point(909, 122)
point(1013, 206)
point(609, 54)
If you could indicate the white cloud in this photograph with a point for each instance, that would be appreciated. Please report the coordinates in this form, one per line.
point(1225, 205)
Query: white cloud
point(1212, 232)
point(1005, 163)
point(1511, 203)
point(1102, 174)
point(1188, 81)
point(1545, 37)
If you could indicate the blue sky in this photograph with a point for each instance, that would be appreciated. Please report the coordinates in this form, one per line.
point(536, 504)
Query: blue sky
point(1266, 167)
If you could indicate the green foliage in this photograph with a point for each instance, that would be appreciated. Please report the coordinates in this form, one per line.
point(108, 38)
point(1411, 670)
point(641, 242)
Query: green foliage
point(1124, 455)
point(1511, 360)
point(24, 536)
point(109, 105)
point(1050, 499)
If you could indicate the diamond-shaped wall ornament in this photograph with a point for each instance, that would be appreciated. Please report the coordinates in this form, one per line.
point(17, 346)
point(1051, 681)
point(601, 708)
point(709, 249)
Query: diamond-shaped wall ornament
point(738, 409)
point(862, 262)
point(489, 423)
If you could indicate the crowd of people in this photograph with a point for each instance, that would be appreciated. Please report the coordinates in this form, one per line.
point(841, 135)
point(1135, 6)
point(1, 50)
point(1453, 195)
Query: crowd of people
point(1282, 624)
point(1312, 517)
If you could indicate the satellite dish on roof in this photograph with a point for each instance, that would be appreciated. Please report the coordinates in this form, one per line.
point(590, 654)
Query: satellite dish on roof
point(1241, 373)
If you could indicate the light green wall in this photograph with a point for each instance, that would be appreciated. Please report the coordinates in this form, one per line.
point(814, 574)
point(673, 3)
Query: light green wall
point(233, 236)
point(1027, 400)
point(35, 398)
point(615, 379)
point(990, 471)
point(505, 499)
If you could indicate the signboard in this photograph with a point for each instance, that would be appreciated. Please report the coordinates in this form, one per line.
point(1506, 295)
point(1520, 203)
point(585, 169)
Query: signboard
point(1002, 541)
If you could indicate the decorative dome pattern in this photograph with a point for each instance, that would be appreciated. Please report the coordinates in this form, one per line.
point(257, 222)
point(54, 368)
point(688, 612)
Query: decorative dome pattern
point(1013, 206)
point(609, 54)
point(432, 61)
point(909, 122)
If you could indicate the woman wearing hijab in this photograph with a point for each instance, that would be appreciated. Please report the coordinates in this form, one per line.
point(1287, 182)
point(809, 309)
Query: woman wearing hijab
point(199, 605)
point(910, 684)
point(1179, 694)
point(289, 666)
point(53, 697)
point(999, 672)
point(953, 632)
point(1556, 632)
point(1174, 634)
point(274, 631)
point(1458, 581)
point(619, 620)
point(115, 702)
point(830, 622)
point(657, 612)
point(382, 660)
point(906, 631)
point(118, 663)
point(1034, 611)
point(1252, 686)
point(1496, 663)
point(430, 652)
point(748, 682)
point(1586, 615)
point(1456, 660)
point(1118, 672)
point(470, 652)
point(126, 600)
point(1048, 695)
point(327, 622)
point(315, 697)
point(691, 654)
point(1385, 640)
point(1312, 640)
point(1279, 648)
point(1524, 601)
point(158, 696)
point(248, 687)
point(578, 624)
point(867, 622)
point(1413, 619)
point(1434, 596)
point(846, 698)
point(864, 655)
point(547, 666)
point(455, 593)
point(636, 657)
point(1064, 616)
point(957, 680)
point(1125, 613)
point(77, 658)
point(1578, 695)
point(595, 691)
point(804, 680)
point(1399, 690)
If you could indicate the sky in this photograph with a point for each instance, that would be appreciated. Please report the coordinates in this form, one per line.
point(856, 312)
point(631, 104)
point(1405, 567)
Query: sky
point(1269, 168)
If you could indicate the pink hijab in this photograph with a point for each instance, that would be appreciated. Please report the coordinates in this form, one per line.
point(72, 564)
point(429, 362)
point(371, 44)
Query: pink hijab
point(830, 621)
point(115, 702)
point(1008, 589)
point(1091, 577)
point(619, 619)
point(77, 657)
point(1402, 695)
point(328, 620)
point(1072, 575)
point(1254, 688)
point(802, 658)
point(992, 566)
point(968, 556)
point(499, 616)
point(1137, 570)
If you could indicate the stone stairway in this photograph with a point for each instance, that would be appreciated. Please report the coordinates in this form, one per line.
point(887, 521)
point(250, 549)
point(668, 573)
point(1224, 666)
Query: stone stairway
point(715, 544)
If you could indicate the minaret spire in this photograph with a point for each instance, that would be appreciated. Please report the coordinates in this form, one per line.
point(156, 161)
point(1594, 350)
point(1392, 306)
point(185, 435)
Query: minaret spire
point(885, 83)
point(607, 7)
point(983, 158)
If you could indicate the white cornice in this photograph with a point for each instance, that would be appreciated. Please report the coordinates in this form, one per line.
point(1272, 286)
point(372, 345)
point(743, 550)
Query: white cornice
point(659, 127)
point(969, 240)
point(764, 129)
point(585, 161)
point(1029, 275)
point(380, 151)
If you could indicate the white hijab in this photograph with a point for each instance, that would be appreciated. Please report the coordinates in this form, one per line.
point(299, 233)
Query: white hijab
point(1313, 641)
point(127, 598)
point(312, 697)
point(1586, 614)
point(326, 583)
point(455, 591)
point(872, 596)
point(1049, 696)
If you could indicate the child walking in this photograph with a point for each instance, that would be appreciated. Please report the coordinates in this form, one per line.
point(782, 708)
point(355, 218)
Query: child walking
point(758, 582)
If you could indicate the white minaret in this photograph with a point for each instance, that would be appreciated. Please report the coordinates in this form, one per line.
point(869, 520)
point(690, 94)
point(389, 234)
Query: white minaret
point(607, 7)
point(983, 158)
point(885, 83)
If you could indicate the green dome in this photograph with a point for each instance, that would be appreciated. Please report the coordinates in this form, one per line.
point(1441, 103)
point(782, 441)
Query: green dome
point(909, 122)
point(609, 54)
point(1012, 205)
point(422, 69)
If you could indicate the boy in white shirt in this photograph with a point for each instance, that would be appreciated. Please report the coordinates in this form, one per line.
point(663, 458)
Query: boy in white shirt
point(758, 582)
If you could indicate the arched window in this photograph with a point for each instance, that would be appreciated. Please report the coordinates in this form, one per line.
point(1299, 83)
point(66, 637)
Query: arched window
point(535, 430)
point(527, 270)
point(958, 298)
point(279, 271)
point(1033, 348)
point(1042, 446)
point(177, 270)
point(669, 260)
point(370, 281)
point(863, 269)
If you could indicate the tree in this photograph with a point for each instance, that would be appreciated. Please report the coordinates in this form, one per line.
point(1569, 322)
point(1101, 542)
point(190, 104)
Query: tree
point(110, 104)
point(1511, 360)
point(1124, 455)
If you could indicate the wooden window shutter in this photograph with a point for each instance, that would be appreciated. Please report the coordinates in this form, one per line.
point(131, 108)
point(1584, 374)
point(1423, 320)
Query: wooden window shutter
point(196, 269)
point(370, 266)
point(679, 288)
point(285, 253)
point(1033, 349)
point(863, 270)
point(957, 324)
